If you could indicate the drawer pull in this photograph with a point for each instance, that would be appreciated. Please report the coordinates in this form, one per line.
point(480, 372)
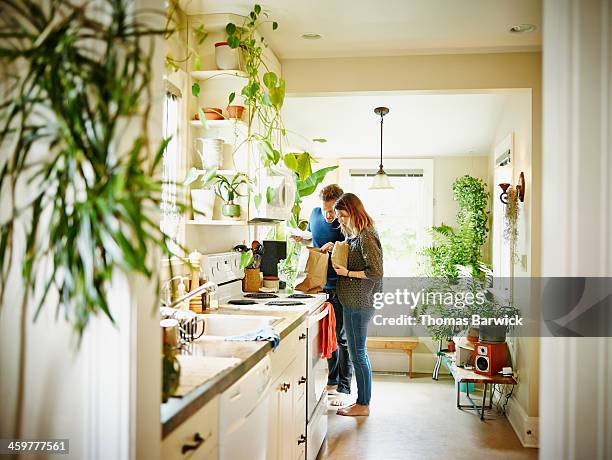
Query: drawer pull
point(302, 380)
point(199, 440)
point(302, 336)
point(285, 387)
point(302, 440)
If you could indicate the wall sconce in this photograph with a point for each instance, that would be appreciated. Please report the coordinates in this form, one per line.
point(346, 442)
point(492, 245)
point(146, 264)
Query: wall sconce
point(520, 190)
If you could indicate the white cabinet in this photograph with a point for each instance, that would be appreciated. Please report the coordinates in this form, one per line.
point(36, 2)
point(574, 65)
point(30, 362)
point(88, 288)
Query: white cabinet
point(287, 425)
point(196, 438)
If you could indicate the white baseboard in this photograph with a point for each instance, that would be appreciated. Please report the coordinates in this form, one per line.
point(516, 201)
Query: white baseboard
point(525, 427)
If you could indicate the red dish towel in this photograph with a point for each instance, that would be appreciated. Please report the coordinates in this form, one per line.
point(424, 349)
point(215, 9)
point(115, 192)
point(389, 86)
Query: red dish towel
point(328, 343)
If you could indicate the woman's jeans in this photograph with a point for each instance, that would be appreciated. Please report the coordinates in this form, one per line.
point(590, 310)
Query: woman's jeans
point(356, 322)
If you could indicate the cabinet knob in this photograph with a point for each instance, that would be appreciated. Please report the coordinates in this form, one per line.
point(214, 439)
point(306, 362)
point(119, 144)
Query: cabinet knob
point(302, 336)
point(198, 439)
point(302, 439)
point(302, 380)
point(285, 387)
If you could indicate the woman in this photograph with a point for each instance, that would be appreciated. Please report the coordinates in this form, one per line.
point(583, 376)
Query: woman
point(357, 282)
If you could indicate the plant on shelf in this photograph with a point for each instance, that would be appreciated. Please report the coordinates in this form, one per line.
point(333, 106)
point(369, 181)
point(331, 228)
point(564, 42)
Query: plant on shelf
point(451, 248)
point(225, 188)
point(511, 221)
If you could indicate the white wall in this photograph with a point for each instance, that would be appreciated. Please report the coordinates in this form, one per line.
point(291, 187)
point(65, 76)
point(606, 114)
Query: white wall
point(576, 375)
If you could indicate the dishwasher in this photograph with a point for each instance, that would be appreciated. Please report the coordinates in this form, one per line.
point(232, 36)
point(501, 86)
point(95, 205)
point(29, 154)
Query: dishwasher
point(243, 415)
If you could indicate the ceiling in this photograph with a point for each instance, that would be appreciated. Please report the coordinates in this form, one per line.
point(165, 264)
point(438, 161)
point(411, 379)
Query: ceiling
point(390, 27)
point(418, 125)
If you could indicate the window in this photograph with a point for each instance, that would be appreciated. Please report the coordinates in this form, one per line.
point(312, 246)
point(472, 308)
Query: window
point(402, 215)
point(170, 215)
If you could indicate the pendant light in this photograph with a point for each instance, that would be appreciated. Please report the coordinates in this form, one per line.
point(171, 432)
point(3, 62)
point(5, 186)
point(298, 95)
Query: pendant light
point(381, 180)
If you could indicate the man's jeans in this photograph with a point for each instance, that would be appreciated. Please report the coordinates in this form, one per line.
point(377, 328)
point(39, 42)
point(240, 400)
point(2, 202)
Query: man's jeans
point(339, 365)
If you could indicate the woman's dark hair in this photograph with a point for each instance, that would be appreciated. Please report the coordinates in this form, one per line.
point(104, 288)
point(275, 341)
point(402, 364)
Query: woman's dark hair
point(359, 219)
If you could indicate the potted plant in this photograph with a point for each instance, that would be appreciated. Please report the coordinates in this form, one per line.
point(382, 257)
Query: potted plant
point(250, 264)
point(228, 189)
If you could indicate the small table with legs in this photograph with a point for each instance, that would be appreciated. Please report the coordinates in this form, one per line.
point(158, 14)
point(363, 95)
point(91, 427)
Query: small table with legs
point(468, 376)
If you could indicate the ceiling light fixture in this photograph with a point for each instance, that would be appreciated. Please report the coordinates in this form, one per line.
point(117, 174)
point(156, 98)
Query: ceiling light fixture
point(522, 28)
point(381, 180)
point(312, 36)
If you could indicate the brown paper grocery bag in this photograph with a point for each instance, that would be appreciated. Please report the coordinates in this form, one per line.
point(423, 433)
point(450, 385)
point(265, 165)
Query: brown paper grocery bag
point(316, 272)
point(340, 254)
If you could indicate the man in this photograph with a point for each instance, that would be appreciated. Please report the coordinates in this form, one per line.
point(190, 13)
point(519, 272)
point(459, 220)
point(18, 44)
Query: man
point(325, 231)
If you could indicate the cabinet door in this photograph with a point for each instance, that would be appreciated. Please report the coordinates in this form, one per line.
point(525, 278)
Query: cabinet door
point(299, 409)
point(196, 438)
point(281, 417)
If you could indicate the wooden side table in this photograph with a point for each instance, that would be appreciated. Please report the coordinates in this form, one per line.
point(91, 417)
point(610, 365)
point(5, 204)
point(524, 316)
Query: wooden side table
point(468, 376)
point(406, 344)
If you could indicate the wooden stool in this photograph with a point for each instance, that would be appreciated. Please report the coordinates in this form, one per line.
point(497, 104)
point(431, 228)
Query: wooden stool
point(406, 344)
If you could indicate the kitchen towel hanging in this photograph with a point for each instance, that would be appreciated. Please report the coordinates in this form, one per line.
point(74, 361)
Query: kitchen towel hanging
point(329, 343)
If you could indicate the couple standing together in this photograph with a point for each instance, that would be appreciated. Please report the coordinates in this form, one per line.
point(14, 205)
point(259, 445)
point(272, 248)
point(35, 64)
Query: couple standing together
point(342, 217)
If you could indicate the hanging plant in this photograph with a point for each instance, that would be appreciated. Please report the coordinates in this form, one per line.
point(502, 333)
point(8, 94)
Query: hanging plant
point(77, 75)
point(511, 221)
point(264, 95)
point(461, 247)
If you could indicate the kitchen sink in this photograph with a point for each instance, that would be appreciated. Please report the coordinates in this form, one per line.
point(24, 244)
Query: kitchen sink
point(228, 325)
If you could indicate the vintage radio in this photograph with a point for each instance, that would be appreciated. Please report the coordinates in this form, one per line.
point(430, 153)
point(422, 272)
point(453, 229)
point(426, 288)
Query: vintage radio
point(490, 358)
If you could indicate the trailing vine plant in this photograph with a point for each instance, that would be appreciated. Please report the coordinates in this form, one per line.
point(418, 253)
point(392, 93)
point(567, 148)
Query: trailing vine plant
point(511, 221)
point(264, 95)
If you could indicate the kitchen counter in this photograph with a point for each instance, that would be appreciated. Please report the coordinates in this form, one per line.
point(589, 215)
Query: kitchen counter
point(177, 410)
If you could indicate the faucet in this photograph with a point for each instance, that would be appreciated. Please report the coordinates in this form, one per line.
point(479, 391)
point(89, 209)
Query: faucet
point(168, 290)
point(209, 286)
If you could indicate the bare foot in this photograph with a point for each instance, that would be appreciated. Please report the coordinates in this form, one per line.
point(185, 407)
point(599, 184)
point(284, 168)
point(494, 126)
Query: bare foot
point(354, 410)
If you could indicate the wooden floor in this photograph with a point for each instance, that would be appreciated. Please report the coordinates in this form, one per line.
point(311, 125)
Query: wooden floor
point(417, 419)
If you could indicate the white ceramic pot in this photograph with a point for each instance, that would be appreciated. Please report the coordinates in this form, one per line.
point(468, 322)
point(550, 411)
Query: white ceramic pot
point(203, 202)
point(210, 152)
point(226, 58)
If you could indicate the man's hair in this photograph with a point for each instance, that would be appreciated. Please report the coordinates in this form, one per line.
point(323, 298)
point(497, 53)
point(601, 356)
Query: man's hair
point(331, 193)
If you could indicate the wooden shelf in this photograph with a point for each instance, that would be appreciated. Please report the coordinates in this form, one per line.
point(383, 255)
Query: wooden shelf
point(218, 74)
point(213, 124)
point(217, 222)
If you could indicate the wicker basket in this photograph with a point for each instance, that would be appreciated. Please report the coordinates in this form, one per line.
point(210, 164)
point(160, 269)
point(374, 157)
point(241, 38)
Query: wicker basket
point(252, 280)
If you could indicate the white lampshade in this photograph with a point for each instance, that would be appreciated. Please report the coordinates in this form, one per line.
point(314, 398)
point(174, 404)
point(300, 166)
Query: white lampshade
point(381, 181)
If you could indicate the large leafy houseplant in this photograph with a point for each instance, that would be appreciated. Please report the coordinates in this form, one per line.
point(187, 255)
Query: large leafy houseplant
point(461, 247)
point(77, 80)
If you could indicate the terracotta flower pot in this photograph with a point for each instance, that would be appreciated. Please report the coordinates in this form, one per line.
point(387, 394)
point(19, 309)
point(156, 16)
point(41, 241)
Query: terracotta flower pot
point(213, 113)
point(235, 111)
